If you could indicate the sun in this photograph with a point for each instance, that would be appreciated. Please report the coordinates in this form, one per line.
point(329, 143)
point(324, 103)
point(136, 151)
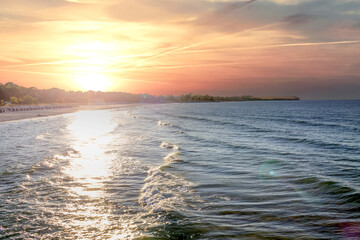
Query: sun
point(93, 59)
point(93, 81)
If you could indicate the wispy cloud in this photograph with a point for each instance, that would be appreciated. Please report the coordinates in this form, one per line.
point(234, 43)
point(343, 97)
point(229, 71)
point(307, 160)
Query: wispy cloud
point(34, 72)
point(273, 46)
point(83, 61)
point(182, 48)
point(10, 59)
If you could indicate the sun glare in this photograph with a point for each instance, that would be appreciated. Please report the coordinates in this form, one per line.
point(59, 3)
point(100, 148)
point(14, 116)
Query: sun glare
point(93, 81)
point(94, 57)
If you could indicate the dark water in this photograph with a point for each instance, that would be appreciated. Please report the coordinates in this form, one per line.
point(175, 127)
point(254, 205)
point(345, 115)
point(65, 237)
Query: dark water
point(245, 170)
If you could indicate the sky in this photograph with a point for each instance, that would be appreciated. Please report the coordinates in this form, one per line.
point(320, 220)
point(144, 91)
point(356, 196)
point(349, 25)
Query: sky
point(305, 48)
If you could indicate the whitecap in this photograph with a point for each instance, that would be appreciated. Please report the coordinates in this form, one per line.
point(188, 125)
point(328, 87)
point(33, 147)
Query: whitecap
point(161, 123)
point(133, 115)
point(172, 157)
point(164, 191)
point(169, 146)
point(42, 136)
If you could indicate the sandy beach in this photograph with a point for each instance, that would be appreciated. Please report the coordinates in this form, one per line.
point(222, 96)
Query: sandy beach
point(13, 116)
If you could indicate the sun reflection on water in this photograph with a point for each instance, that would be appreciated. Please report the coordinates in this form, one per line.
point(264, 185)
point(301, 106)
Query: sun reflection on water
point(90, 140)
point(88, 180)
point(90, 136)
point(89, 125)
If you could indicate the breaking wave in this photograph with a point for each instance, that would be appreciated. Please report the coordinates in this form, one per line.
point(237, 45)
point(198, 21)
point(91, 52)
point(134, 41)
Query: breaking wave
point(133, 115)
point(161, 123)
point(169, 146)
point(172, 157)
point(164, 191)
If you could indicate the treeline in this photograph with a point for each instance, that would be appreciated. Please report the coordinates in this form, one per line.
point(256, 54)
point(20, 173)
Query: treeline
point(15, 94)
point(207, 98)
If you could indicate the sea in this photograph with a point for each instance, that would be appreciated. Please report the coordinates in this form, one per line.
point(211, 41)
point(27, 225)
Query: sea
point(224, 170)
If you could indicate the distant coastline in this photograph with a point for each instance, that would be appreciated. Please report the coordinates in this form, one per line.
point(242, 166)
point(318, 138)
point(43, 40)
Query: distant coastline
point(17, 102)
point(15, 95)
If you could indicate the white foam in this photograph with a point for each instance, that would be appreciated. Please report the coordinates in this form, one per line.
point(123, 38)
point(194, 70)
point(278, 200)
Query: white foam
point(164, 191)
point(133, 115)
point(169, 146)
point(54, 162)
point(172, 157)
point(161, 123)
point(42, 136)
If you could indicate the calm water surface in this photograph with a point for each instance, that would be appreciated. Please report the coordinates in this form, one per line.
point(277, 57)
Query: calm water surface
point(244, 170)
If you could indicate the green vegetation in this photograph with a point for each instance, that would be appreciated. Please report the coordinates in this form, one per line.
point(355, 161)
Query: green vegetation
point(207, 98)
point(15, 94)
point(29, 100)
point(14, 100)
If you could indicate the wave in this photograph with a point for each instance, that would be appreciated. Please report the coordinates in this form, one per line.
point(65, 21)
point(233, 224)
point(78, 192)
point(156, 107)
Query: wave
point(216, 142)
point(342, 194)
point(164, 192)
point(172, 157)
point(51, 163)
point(318, 143)
point(321, 123)
point(222, 123)
point(133, 115)
point(169, 146)
point(161, 123)
point(42, 136)
point(252, 128)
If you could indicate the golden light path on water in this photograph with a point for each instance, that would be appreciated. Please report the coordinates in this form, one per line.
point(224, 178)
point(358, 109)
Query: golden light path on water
point(90, 168)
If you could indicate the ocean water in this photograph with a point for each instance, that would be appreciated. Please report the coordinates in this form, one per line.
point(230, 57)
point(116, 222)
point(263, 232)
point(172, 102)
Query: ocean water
point(240, 170)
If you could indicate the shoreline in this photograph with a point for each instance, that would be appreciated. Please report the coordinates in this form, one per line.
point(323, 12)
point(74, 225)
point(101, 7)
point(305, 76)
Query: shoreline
point(22, 115)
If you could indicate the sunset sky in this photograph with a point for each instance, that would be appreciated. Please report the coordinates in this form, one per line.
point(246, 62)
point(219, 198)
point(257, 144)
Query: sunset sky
point(307, 48)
